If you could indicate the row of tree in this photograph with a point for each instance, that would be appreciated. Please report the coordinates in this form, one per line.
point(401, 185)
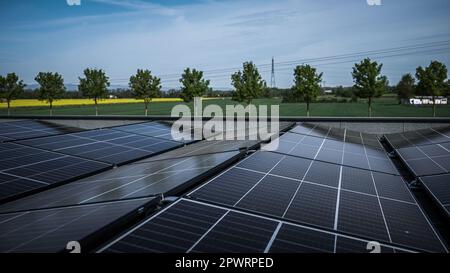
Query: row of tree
point(248, 84)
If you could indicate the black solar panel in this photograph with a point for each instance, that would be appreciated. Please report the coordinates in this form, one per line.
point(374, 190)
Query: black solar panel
point(29, 129)
point(156, 129)
point(419, 137)
point(50, 230)
point(426, 160)
point(188, 226)
point(321, 194)
point(439, 187)
point(130, 181)
point(350, 148)
point(25, 169)
point(104, 145)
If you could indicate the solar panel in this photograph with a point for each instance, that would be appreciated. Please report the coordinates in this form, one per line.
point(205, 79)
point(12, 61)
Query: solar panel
point(439, 188)
point(195, 227)
point(30, 129)
point(50, 230)
point(26, 169)
point(338, 146)
point(131, 181)
point(104, 145)
point(155, 129)
point(419, 137)
point(320, 194)
point(426, 160)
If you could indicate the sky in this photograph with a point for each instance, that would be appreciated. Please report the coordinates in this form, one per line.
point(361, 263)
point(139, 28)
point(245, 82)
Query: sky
point(216, 36)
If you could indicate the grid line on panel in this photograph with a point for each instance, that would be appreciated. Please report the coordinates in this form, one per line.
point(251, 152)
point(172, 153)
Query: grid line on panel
point(272, 239)
point(378, 197)
point(426, 156)
point(303, 178)
point(207, 232)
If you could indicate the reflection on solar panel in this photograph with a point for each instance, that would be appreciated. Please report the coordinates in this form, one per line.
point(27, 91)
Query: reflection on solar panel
point(105, 145)
point(155, 129)
point(439, 187)
point(324, 195)
point(338, 146)
point(30, 129)
point(419, 137)
point(166, 177)
point(426, 159)
point(23, 169)
point(190, 226)
point(50, 230)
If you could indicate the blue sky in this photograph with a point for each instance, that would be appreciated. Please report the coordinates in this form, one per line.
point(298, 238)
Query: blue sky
point(120, 36)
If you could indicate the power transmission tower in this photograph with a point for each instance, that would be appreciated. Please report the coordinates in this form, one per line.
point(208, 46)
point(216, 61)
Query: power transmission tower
point(272, 77)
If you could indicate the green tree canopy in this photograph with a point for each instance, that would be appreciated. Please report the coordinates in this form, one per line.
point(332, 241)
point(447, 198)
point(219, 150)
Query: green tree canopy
point(10, 88)
point(248, 84)
point(306, 84)
point(369, 83)
point(405, 87)
point(431, 80)
point(51, 87)
point(193, 84)
point(145, 86)
point(94, 85)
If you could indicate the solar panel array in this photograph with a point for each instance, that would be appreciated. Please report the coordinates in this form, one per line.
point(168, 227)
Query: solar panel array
point(24, 169)
point(106, 145)
point(142, 179)
point(195, 227)
point(427, 154)
point(30, 129)
point(322, 190)
point(286, 201)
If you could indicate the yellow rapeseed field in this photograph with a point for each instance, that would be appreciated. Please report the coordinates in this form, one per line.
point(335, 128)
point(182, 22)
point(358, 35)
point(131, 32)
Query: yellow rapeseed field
point(65, 102)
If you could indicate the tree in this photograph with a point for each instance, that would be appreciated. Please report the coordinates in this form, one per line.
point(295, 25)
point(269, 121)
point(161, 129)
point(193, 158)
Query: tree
point(306, 84)
point(94, 85)
point(405, 88)
point(10, 89)
point(51, 87)
point(431, 80)
point(145, 86)
point(193, 84)
point(369, 83)
point(248, 84)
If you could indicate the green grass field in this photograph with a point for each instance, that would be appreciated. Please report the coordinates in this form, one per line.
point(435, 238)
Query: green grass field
point(383, 107)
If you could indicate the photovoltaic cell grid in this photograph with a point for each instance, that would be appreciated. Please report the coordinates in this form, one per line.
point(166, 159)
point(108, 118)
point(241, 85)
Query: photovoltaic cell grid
point(419, 137)
point(23, 169)
point(195, 227)
point(155, 129)
point(137, 180)
point(30, 129)
point(110, 146)
point(353, 201)
point(50, 230)
point(339, 146)
point(439, 187)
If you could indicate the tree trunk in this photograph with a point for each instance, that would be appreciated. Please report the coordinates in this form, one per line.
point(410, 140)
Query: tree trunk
point(51, 108)
point(307, 108)
point(96, 107)
point(434, 107)
point(370, 107)
point(9, 107)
